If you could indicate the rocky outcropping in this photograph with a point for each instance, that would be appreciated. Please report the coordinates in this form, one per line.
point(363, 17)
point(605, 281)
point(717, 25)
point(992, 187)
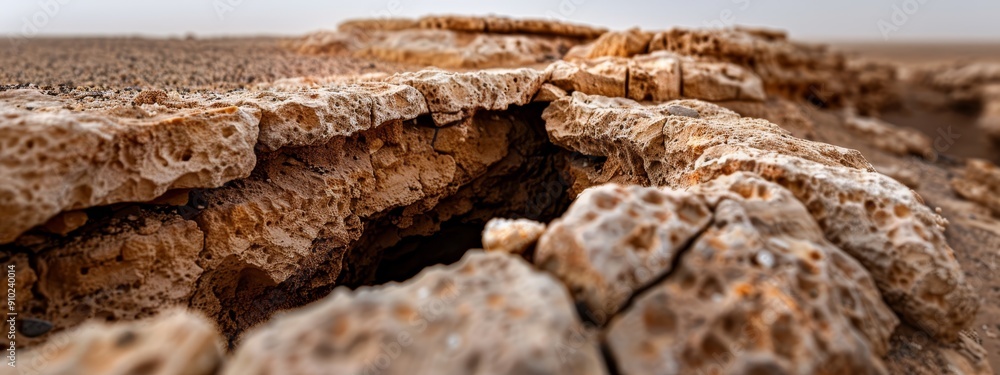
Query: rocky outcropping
point(646, 229)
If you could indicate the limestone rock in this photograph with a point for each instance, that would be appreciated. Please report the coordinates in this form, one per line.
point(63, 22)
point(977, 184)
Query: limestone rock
point(514, 236)
point(454, 96)
point(873, 218)
point(489, 313)
point(980, 183)
point(606, 76)
point(55, 159)
point(303, 118)
point(549, 93)
point(138, 264)
point(989, 118)
point(450, 49)
point(620, 43)
point(720, 81)
point(614, 240)
point(656, 76)
point(173, 343)
point(495, 24)
point(891, 138)
point(760, 291)
point(915, 352)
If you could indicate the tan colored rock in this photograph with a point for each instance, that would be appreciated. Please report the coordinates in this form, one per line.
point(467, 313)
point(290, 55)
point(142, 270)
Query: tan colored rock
point(989, 117)
point(873, 218)
point(494, 24)
point(513, 236)
point(55, 159)
point(549, 93)
point(604, 76)
point(980, 183)
point(133, 267)
point(656, 76)
point(615, 239)
point(915, 352)
point(720, 81)
point(620, 44)
point(65, 222)
point(173, 343)
point(454, 96)
point(313, 117)
point(489, 313)
point(891, 138)
point(760, 291)
point(450, 49)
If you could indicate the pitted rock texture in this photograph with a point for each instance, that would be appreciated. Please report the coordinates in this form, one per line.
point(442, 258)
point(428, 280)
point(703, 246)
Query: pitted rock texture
point(452, 41)
point(513, 236)
point(614, 240)
point(892, 138)
point(979, 182)
point(60, 155)
point(453, 96)
point(100, 274)
point(760, 291)
point(175, 342)
point(875, 219)
point(914, 352)
point(490, 313)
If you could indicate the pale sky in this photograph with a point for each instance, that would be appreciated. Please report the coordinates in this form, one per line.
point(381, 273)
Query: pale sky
point(915, 20)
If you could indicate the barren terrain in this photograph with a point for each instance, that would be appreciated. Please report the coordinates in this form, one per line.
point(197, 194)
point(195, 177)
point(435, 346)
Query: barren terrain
point(458, 195)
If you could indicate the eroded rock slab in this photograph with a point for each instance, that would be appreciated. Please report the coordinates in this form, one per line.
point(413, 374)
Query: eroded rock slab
point(979, 182)
point(58, 155)
point(875, 219)
point(489, 313)
point(174, 343)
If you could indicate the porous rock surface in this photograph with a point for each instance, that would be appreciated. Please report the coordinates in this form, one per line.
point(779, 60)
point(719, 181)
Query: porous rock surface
point(61, 155)
point(489, 313)
point(759, 291)
point(175, 342)
point(614, 240)
point(899, 239)
point(698, 239)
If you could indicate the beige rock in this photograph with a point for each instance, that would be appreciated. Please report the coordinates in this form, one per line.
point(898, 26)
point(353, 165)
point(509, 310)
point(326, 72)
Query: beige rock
point(455, 96)
point(450, 49)
point(720, 81)
point(760, 291)
point(174, 342)
point(55, 159)
point(549, 93)
point(100, 274)
point(65, 222)
point(915, 352)
point(494, 24)
point(314, 116)
point(489, 313)
point(656, 76)
point(513, 236)
point(891, 138)
point(620, 43)
point(873, 218)
point(989, 117)
point(614, 240)
point(980, 183)
point(604, 76)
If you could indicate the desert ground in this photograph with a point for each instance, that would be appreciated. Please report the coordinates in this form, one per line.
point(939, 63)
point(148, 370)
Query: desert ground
point(458, 195)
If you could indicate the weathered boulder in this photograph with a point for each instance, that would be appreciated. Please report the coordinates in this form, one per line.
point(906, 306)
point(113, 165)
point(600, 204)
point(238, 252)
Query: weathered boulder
point(760, 290)
point(489, 313)
point(55, 159)
point(875, 219)
point(173, 343)
point(615, 240)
